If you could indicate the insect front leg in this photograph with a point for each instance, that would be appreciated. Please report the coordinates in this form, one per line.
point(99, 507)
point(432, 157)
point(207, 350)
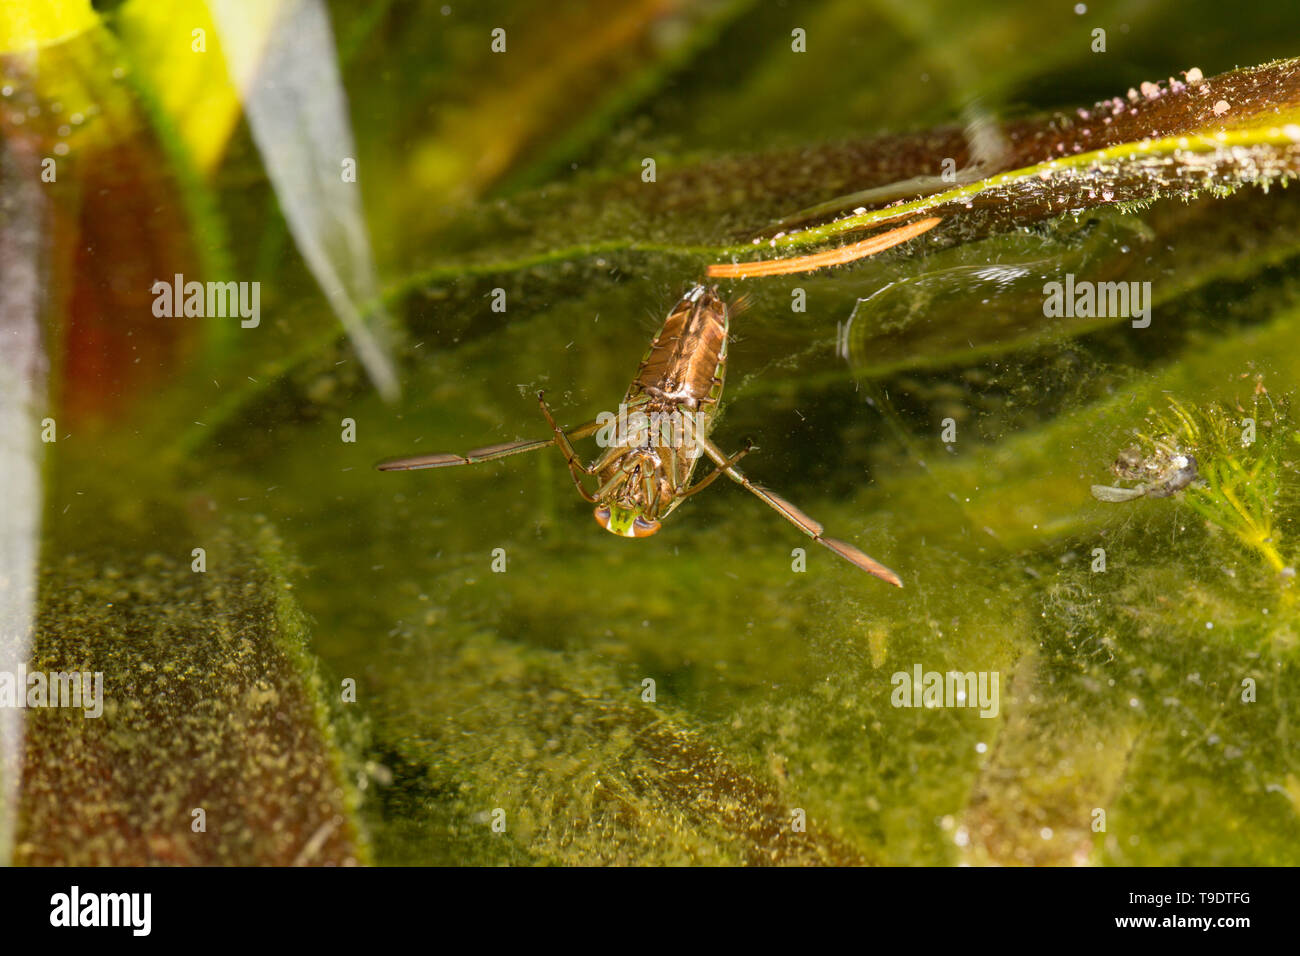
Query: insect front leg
point(576, 468)
point(797, 518)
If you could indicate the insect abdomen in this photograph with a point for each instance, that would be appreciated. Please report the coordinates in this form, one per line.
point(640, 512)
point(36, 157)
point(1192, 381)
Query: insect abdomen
point(686, 363)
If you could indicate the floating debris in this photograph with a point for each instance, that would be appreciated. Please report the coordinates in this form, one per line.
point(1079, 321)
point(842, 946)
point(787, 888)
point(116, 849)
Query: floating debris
point(1167, 470)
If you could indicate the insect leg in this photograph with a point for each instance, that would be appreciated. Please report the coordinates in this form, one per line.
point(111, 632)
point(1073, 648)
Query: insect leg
point(479, 455)
point(576, 468)
point(713, 475)
point(797, 518)
point(608, 488)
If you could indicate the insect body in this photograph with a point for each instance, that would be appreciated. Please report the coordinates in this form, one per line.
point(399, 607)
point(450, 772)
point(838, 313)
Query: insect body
point(661, 432)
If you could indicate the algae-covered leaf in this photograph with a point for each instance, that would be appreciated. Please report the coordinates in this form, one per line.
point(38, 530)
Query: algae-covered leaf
point(1173, 140)
point(193, 728)
point(593, 770)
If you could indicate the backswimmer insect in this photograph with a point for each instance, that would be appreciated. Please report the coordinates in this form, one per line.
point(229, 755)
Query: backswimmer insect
point(645, 473)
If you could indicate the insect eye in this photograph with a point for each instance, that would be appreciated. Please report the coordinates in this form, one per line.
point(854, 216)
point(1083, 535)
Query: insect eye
point(643, 528)
point(602, 516)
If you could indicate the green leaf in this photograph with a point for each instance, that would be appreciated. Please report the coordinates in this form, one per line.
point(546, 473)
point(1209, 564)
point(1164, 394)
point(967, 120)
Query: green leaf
point(207, 739)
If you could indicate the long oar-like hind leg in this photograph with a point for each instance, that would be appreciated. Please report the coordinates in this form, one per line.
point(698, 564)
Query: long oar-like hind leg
point(479, 455)
point(797, 518)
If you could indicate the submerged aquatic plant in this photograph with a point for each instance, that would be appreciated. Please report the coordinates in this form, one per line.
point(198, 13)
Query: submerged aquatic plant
point(1229, 463)
point(1243, 472)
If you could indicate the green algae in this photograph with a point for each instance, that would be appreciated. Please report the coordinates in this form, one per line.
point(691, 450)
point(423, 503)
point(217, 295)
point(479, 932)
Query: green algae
point(212, 702)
